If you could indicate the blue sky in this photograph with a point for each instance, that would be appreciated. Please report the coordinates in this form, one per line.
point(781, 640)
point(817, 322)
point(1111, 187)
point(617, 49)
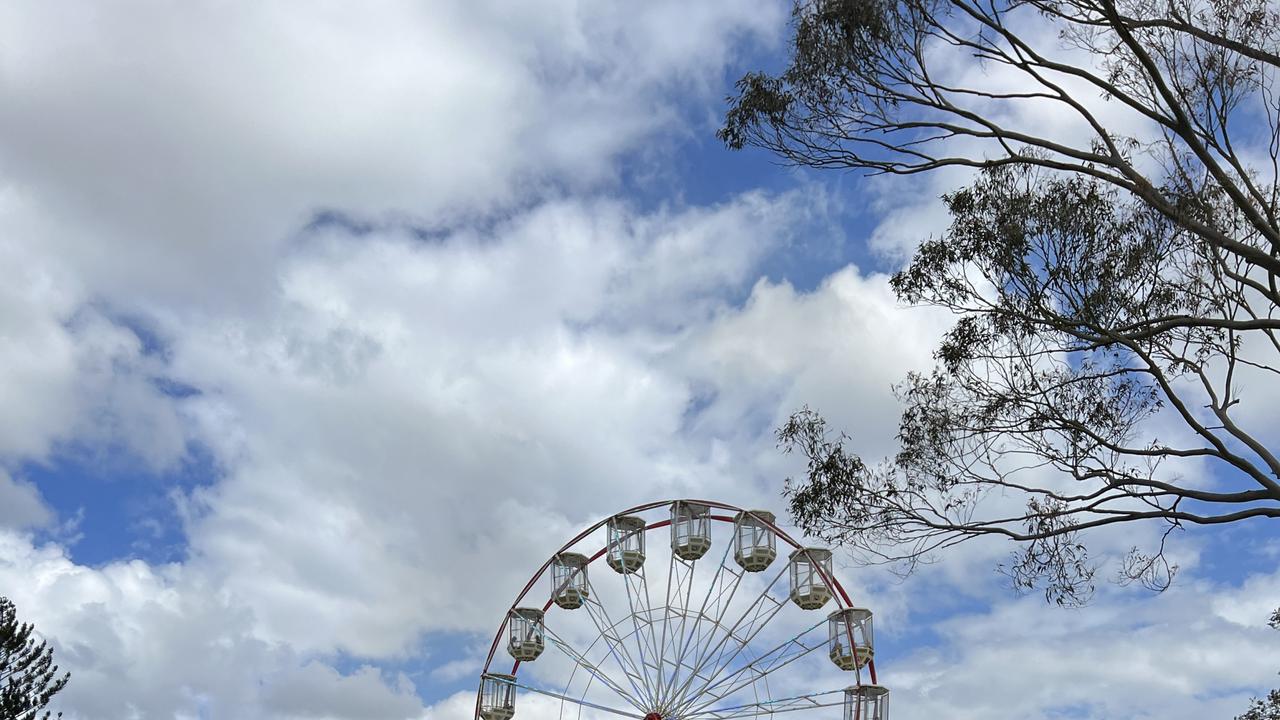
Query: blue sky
point(323, 326)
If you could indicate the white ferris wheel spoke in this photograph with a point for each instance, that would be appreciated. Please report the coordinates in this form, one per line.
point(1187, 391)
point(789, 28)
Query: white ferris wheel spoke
point(564, 697)
point(616, 644)
point(650, 611)
point(694, 636)
point(680, 578)
point(719, 597)
point(666, 622)
point(756, 618)
point(829, 698)
point(767, 662)
point(578, 701)
point(594, 670)
point(610, 631)
point(647, 663)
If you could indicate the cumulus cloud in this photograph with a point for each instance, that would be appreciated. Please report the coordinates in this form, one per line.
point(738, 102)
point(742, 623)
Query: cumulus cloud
point(163, 160)
point(358, 415)
point(1176, 656)
point(20, 504)
point(318, 691)
point(392, 384)
point(71, 371)
point(378, 262)
point(172, 151)
point(162, 168)
point(159, 641)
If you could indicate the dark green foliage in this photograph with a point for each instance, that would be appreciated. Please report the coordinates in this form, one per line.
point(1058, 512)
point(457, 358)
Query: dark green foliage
point(28, 677)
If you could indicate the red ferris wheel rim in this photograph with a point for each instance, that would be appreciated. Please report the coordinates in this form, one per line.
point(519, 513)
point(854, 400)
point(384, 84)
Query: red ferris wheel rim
point(841, 597)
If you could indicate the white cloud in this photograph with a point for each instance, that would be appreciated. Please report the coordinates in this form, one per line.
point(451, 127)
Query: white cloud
point(160, 164)
point(145, 641)
point(1172, 656)
point(405, 420)
point(401, 453)
point(70, 372)
point(163, 159)
point(37, 356)
point(319, 691)
point(1177, 655)
point(410, 427)
point(389, 383)
point(173, 151)
point(20, 504)
point(840, 348)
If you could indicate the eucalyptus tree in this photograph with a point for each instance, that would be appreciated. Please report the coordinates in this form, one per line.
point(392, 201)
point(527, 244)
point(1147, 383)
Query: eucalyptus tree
point(1112, 264)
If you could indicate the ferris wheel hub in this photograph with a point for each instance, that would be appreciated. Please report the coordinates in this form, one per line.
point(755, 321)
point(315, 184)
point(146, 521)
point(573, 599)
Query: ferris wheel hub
point(653, 716)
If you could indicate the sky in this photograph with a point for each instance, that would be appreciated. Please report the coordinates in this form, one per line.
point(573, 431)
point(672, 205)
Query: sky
point(323, 324)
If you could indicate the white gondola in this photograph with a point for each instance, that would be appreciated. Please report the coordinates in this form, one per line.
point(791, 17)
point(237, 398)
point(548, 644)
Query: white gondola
point(626, 543)
point(569, 580)
point(866, 702)
point(809, 569)
point(852, 642)
point(497, 696)
point(525, 634)
point(690, 530)
point(753, 539)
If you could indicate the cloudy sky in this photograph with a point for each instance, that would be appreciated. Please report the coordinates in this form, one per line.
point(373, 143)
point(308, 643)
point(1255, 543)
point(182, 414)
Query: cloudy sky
point(323, 324)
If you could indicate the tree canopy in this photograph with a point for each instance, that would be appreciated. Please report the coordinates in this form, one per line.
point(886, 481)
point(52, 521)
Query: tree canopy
point(1113, 272)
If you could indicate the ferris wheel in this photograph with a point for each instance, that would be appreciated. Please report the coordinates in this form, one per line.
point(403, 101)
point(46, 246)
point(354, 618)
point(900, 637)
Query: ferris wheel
point(691, 617)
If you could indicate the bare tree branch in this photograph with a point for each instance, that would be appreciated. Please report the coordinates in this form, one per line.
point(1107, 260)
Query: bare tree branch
point(1098, 281)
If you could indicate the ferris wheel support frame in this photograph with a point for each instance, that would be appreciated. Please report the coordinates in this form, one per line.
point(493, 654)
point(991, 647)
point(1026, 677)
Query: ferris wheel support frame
point(841, 597)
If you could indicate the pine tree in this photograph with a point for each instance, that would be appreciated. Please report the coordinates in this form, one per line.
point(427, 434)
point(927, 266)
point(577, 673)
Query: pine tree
point(28, 677)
